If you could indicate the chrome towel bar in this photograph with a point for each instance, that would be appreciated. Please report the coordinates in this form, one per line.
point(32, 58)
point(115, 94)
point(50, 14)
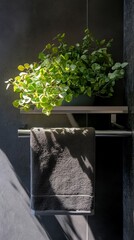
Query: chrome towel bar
point(23, 133)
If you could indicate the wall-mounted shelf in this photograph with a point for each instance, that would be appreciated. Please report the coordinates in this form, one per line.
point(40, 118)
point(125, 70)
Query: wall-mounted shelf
point(112, 110)
point(84, 109)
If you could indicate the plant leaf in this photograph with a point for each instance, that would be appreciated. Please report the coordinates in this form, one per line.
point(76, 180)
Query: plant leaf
point(21, 68)
point(124, 64)
point(26, 65)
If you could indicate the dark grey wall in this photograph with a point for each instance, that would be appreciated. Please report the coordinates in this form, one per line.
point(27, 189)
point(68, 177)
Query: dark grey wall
point(25, 27)
point(129, 149)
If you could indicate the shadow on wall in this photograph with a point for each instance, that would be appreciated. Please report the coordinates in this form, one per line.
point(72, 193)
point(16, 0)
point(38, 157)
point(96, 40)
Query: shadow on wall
point(16, 220)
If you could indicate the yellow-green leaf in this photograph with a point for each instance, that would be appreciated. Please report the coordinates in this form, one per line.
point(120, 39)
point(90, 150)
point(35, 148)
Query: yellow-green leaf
point(48, 46)
point(26, 65)
point(16, 103)
point(21, 68)
point(17, 78)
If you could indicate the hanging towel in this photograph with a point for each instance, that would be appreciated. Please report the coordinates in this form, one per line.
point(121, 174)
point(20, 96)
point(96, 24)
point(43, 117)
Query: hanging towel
point(62, 170)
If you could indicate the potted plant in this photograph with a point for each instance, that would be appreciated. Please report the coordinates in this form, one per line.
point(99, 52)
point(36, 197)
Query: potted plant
point(65, 71)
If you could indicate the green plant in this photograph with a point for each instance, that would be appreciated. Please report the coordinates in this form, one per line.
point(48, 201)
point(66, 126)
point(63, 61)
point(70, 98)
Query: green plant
point(65, 71)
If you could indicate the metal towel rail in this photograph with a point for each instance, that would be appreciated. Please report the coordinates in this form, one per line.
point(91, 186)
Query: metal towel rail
point(23, 133)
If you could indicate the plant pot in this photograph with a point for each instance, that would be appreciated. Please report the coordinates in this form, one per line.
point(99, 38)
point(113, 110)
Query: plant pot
point(81, 100)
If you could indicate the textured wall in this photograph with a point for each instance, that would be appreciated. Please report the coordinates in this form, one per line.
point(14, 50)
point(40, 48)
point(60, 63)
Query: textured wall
point(129, 148)
point(25, 26)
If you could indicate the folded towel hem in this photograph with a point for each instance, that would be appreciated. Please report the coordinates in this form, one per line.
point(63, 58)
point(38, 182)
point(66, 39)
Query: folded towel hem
point(64, 203)
point(60, 195)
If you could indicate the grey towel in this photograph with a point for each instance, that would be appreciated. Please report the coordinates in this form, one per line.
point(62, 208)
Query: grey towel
point(62, 170)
